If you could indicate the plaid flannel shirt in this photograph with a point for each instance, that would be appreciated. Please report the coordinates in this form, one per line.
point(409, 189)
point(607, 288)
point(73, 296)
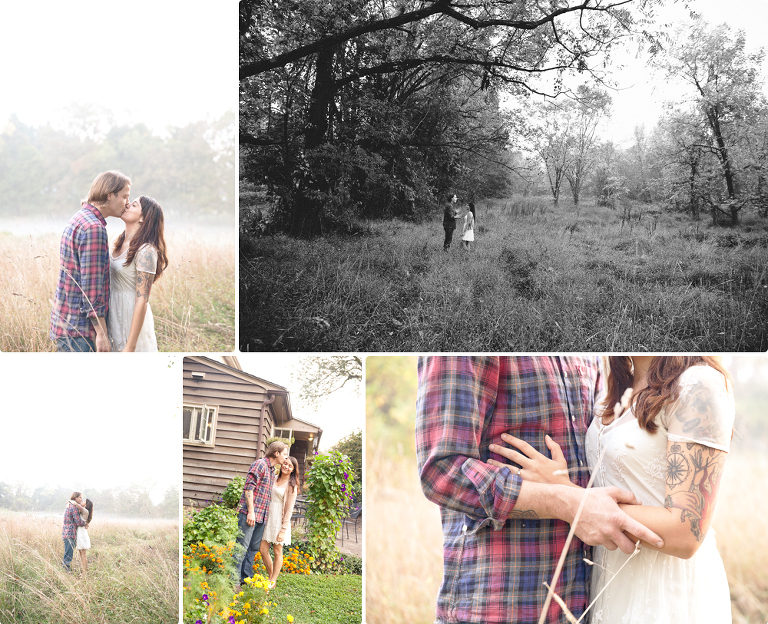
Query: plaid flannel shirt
point(84, 264)
point(260, 479)
point(494, 565)
point(72, 520)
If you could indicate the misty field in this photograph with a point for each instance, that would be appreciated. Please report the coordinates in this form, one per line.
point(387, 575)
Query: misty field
point(133, 573)
point(402, 582)
point(540, 278)
point(193, 303)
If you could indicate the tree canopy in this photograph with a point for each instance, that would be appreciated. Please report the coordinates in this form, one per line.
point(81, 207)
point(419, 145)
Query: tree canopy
point(381, 108)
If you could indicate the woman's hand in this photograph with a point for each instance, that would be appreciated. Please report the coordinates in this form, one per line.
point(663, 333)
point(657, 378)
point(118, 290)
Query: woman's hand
point(534, 466)
point(280, 536)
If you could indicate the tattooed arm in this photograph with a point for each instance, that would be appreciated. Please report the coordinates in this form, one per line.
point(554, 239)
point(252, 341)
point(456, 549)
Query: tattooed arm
point(704, 412)
point(146, 264)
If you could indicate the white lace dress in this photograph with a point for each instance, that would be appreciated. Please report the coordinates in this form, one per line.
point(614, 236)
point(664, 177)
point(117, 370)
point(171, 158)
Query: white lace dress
point(83, 540)
point(275, 517)
point(656, 588)
point(122, 299)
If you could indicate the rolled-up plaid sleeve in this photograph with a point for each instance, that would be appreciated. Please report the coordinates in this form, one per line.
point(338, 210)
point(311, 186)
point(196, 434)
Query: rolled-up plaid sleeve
point(456, 397)
point(93, 253)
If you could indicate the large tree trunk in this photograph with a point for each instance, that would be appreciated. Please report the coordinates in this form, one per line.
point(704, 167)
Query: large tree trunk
point(725, 162)
point(307, 208)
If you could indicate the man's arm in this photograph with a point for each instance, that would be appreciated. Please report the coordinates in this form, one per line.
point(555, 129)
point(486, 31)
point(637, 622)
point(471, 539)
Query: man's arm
point(91, 245)
point(455, 396)
point(250, 519)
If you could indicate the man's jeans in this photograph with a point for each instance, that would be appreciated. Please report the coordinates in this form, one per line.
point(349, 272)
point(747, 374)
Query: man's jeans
point(448, 237)
point(250, 539)
point(69, 551)
point(75, 344)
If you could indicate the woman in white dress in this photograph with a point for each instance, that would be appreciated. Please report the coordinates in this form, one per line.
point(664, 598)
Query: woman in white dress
point(137, 260)
point(468, 233)
point(83, 540)
point(669, 450)
point(278, 529)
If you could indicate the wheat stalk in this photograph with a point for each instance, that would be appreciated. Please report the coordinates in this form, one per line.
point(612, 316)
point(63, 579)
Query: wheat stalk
point(618, 411)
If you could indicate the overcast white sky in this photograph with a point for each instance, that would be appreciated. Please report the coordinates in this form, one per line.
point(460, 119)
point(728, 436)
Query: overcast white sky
point(91, 421)
point(152, 61)
point(340, 415)
point(642, 93)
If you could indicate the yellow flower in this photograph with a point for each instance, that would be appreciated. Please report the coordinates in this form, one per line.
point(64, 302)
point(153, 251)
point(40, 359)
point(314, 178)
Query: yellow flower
point(290, 618)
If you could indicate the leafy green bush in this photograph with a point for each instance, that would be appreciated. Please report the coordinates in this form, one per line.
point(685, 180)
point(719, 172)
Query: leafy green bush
point(353, 564)
point(232, 493)
point(212, 524)
point(329, 492)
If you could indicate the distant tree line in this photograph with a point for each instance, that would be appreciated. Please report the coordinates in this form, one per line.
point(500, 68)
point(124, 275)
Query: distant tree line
point(47, 171)
point(381, 109)
point(708, 154)
point(132, 501)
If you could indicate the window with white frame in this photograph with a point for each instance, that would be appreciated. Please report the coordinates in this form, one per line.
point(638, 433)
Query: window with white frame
point(285, 434)
point(199, 423)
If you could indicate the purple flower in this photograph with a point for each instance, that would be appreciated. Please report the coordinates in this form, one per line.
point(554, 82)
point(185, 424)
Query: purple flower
point(346, 475)
point(205, 596)
point(231, 619)
point(199, 622)
point(343, 487)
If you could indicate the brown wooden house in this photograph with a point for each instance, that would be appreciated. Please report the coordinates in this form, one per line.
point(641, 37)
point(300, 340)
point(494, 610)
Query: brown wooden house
point(228, 416)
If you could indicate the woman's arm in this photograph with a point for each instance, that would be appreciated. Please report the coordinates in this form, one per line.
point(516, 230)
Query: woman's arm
point(146, 264)
point(692, 481)
point(290, 503)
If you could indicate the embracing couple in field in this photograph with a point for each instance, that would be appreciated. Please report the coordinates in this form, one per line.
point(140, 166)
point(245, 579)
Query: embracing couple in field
point(77, 519)
point(265, 510)
point(505, 447)
point(102, 297)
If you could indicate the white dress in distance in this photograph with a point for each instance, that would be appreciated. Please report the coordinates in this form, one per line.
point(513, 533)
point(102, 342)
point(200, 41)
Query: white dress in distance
point(275, 517)
point(122, 299)
point(656, 588)
point(83, 540)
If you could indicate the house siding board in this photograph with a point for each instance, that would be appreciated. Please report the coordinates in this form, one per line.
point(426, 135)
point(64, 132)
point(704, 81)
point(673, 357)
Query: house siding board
point(207, 470)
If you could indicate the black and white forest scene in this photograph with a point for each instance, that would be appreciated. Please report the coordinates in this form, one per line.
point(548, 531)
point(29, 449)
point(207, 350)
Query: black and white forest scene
point(498, 175)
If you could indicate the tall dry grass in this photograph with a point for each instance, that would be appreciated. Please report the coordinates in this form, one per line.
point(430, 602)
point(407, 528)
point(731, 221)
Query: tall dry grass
point(193, 303)
point(540, 278)
point(404, 539)
point(133, 573)
point(403, 542)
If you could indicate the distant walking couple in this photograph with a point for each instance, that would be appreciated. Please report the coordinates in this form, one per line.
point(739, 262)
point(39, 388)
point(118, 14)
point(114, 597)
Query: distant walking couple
point(451, 215)
point(102, 297)
point(77, 518)
point(265, 511)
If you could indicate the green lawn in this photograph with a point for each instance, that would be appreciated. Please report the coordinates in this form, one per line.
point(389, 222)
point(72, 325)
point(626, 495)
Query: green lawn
point(317, 599)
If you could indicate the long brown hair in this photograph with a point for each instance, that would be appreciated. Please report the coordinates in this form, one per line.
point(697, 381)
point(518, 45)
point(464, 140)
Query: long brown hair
point(662, 388)
point(89, 507)
point(294, 480)
point(150, 233)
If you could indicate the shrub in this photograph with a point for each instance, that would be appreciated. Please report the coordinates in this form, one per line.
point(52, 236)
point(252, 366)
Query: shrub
point(353, 564)
point(328, 489)
point(212, 524)
point(232, 493)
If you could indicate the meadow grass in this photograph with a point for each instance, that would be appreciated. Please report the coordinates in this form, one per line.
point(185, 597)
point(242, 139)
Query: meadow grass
point(402, 581)
point(133, 573)
point(193, 302)
point(540, 278)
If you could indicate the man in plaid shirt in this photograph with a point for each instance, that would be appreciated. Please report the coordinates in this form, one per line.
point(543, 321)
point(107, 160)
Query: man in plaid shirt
point(72, 520)
point(254, 505)
point(503, 536)
point(79, 315)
